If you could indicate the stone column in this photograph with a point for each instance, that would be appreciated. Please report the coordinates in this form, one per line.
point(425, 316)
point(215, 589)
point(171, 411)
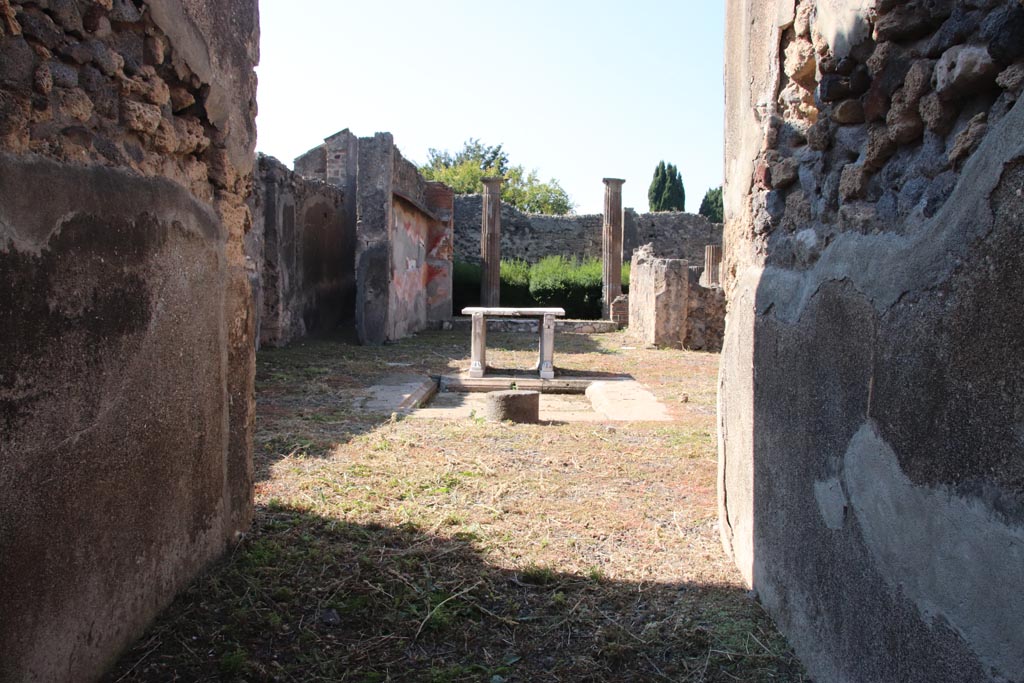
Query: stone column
point(612, 244)
point(490, 244)
point(712, 263)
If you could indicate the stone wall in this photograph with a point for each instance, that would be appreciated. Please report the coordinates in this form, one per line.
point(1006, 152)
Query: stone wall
point(668, 306)
point(870, 429)
point(531, 237)
point(705, 316)
point(126, 357)
point(403, 244)
point(304, 249)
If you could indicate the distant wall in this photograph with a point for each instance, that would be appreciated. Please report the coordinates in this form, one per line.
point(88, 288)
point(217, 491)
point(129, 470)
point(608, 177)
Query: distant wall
point(532, 237)
point(126, 321)
point(306, 254)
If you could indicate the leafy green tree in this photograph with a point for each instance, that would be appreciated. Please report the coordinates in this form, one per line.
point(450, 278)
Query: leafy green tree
point(666, 192)
point(464, 172)
point(711, 206)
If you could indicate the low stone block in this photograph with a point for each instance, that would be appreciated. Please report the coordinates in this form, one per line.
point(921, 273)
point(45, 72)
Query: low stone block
point(517, 406)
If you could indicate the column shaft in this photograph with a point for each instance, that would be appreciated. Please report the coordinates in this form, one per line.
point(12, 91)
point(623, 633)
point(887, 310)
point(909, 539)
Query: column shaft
point(611, 244)
point(490, 244)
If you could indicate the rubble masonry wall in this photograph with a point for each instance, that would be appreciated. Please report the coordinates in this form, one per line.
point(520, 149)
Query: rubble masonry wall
point(305, 254)
point(871, 460)
point(126, 354)
point(531, 237)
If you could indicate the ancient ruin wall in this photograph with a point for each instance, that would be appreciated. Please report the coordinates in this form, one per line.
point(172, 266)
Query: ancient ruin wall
point(403, 233)
point(306, 255)
point(668, 307)
point(531, 237)
point(126, 356)
point(871, 475)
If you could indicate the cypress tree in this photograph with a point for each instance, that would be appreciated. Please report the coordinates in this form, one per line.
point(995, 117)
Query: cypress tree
point(673, 197)
point(657, 189)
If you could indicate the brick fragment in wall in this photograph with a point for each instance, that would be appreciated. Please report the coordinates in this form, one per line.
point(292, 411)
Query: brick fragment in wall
point(74, 103)
point(191, 135)
point(819, 137)
point(904, 120)
point(43, 81)
point(146, 85)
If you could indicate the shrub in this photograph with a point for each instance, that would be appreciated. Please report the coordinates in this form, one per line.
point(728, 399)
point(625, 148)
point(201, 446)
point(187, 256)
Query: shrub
point(559, 281)
point(465, 285)
point(554, 281)
point(515, 284)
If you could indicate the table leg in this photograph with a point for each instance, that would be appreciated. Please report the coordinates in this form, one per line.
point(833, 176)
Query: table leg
point(547, 347)
point(478, 346)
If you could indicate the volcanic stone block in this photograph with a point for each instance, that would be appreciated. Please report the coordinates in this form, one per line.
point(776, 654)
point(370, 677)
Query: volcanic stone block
point(517, 406)
point(658, 291)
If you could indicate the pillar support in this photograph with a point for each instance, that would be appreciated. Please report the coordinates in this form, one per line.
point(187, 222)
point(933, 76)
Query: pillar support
point(490, 244)
point(611, 244)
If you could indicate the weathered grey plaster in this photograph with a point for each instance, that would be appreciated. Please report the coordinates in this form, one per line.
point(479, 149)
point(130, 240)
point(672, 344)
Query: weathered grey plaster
point(832, 502)
point(842, 24)
point(886, 266)
point(955, 559)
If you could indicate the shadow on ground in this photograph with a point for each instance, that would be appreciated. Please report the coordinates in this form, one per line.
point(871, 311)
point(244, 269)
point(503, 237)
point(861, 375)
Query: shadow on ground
point(309, 598)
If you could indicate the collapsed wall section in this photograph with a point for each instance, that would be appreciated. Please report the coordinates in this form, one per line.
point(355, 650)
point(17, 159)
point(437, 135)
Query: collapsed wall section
point(305, 255)
point(126, 356)
point(531, 237)
point(870, 453)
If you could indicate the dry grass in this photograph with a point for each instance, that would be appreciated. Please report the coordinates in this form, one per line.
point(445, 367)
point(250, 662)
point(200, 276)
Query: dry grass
point(429, 550)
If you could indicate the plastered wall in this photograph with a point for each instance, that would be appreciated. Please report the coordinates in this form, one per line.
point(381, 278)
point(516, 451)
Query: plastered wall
point(126, 318)
point(870, 414)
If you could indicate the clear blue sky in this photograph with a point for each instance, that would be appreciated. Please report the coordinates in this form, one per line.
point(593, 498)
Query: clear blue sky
point(578, 89)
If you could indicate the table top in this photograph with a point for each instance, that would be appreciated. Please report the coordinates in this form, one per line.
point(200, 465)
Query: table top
point(514, 312)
